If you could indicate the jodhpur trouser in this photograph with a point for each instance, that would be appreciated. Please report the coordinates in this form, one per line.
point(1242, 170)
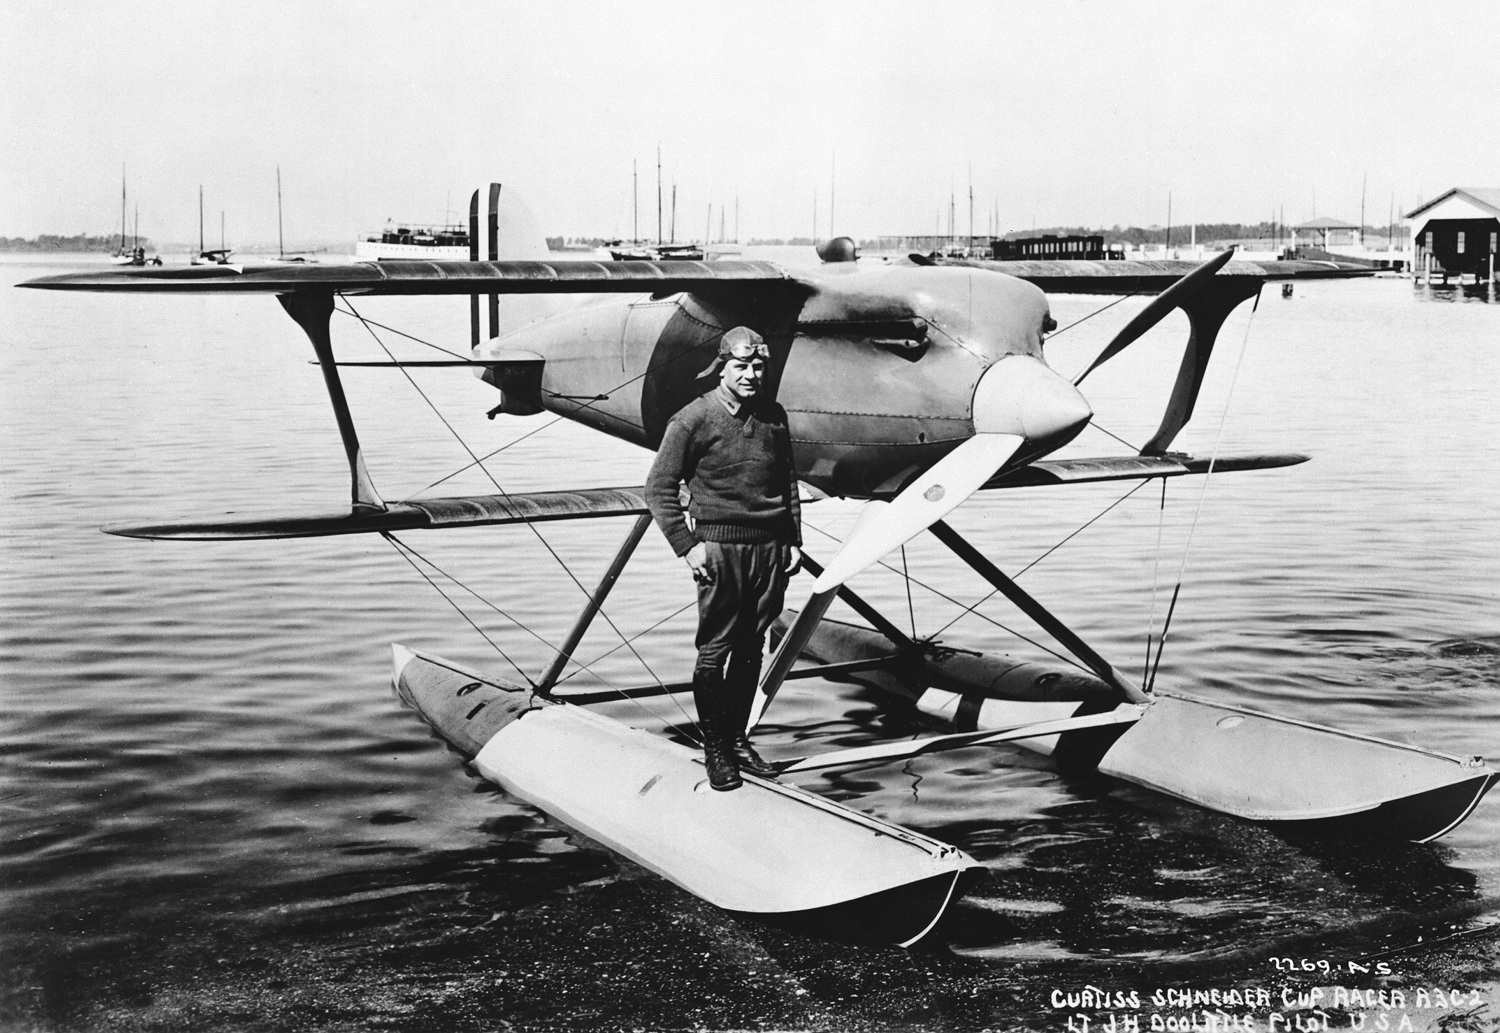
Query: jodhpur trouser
point(734, 613)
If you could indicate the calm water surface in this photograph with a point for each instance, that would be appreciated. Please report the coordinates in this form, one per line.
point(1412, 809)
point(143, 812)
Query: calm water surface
point(216, 815)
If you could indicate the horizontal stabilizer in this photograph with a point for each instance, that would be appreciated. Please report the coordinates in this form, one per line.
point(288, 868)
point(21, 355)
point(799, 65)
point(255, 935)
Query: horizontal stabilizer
point(513, 277)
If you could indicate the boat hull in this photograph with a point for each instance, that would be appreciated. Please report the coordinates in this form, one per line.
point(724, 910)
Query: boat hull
point(1226, 758)
point(768, 850)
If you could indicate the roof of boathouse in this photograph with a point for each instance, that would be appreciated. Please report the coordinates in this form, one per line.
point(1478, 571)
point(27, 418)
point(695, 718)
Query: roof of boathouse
point(1464, 202)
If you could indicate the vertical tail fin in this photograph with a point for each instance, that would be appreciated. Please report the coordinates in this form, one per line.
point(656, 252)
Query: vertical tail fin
point(506, 232)
point(474, 337)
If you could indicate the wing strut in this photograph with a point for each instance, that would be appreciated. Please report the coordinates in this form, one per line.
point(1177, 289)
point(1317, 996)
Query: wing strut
point(312, 310)
point(1035, 610)
point(592, 607)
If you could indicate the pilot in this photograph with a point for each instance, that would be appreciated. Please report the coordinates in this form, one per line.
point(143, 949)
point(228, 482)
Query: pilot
point(730, 446)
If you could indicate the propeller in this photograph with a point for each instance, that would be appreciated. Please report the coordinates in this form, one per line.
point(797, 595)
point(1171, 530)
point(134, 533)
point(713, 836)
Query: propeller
point(1018, 401)
point(1155, 312)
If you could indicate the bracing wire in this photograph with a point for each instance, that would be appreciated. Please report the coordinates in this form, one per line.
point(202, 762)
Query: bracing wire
point(1203, 493)
point(945, 596)
point(581, 406)
point(407, 552)
point(1060, 543)
point(582, 667)
point(625, 641)
point(1161, 520)
point(529, 524)
point(459, 609)
point(1091, 315)
point(911, 610)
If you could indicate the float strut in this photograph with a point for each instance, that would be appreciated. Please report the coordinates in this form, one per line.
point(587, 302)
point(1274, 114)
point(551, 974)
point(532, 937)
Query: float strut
point(312, 312)
point(591, 608)
point(1036, 611)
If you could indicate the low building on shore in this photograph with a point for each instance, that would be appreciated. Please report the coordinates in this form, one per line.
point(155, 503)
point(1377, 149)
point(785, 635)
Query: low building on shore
point(1457, 233)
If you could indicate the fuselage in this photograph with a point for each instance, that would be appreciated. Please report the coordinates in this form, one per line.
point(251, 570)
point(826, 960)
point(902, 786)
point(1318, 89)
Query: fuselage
point(876, 367)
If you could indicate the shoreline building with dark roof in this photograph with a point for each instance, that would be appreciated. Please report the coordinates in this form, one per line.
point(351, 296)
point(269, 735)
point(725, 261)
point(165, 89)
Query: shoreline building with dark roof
point(1457, 233)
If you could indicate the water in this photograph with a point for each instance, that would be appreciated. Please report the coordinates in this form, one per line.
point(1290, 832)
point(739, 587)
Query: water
point(217, 816)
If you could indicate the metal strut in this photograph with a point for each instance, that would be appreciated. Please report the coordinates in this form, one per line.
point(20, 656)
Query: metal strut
point(1035, 610)
point(312, 311)
point(591, 608)
point(857, 603)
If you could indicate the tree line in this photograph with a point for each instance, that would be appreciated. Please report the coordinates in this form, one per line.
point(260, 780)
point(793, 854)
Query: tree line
point(77, 242)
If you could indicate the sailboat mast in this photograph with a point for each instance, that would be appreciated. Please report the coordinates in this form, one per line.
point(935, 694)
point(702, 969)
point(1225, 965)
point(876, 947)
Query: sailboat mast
point(280, 239)
point(1362, 185)
point(971, 206)
point(635, 203)
point(200, 218)
point(122, 207)
point(658, 195)
point(674, 211)
point(222, 246)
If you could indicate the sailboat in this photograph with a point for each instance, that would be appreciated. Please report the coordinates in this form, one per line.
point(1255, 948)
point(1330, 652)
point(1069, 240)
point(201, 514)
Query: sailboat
point(137, 254)
point(206, 256)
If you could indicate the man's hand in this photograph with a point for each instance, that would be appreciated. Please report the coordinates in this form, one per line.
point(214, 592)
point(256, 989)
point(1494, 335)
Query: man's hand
point(697, 559)
point(793, 560)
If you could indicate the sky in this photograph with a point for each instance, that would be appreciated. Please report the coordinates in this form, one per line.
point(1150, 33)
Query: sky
point(1074, 112)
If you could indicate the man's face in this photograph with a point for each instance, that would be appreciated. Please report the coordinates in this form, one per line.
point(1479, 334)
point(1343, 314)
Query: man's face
point(742, 377)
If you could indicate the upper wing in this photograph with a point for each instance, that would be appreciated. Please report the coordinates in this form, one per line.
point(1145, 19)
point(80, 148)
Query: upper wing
point(1072, 277)
point(412, 277)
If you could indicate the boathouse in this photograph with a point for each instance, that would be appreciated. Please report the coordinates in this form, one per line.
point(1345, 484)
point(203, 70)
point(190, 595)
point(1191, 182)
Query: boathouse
point(1050, 247)
point(1456, 233)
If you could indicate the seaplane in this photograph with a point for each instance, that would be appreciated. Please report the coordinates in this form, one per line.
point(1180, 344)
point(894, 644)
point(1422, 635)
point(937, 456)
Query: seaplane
point(911, 386)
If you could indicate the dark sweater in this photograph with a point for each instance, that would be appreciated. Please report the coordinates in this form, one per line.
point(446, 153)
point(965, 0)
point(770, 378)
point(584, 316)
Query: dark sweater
point(739, 472)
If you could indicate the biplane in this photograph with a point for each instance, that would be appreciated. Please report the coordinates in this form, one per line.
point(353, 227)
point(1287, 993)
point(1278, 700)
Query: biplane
point(912, 385)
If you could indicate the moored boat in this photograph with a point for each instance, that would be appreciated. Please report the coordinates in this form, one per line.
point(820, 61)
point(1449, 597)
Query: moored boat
point(421, 243)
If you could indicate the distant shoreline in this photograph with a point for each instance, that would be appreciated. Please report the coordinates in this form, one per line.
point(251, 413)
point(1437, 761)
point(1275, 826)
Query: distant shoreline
point(81, 243)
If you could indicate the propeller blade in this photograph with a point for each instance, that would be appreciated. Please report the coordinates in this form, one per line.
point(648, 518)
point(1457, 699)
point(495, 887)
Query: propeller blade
point(1155, 312)
point(1017, 401)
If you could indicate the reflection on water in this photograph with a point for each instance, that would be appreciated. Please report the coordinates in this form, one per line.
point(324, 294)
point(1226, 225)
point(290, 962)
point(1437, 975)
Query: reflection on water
point(215, 810)
point(1484, 292)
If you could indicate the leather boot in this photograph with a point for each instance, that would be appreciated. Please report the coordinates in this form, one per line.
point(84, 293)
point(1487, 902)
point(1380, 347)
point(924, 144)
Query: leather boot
point(708, 696)
point(739, 696)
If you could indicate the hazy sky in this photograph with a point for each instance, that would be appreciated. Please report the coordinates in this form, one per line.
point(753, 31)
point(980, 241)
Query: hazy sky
point(1067, 112)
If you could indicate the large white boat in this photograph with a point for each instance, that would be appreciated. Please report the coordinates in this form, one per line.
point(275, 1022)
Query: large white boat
point(423, 243)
